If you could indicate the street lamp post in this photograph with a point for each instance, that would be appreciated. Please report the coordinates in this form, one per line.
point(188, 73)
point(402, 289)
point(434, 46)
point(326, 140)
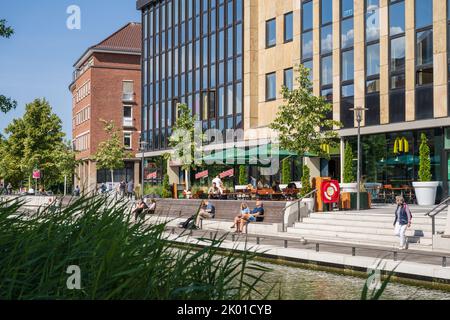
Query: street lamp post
point(143, 145)
point(359, 112)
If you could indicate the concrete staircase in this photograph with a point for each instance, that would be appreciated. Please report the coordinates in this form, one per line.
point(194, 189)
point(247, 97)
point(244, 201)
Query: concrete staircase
point(366, 228)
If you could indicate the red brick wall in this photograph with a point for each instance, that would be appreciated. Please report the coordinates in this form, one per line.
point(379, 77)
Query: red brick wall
point(107, 75)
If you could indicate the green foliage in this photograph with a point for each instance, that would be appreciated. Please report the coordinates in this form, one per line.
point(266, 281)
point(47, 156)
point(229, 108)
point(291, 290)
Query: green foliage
point(34, 141)
point(119, 260)
point(156, 190)
point(183, 139)
point(5, 31)
point(166, 189)
point(286, 172)
point(6, 104)
point(349, 172)
point(110, 153)
point(425, 160)
point(242, 175)
point(306, 182)
point(299, 119)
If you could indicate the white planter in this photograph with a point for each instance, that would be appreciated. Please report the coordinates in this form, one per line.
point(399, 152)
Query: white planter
point(349, 187)
point(309, 202)
point(426, 192)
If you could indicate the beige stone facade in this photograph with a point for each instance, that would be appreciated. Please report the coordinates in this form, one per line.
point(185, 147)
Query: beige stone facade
point(259, 61)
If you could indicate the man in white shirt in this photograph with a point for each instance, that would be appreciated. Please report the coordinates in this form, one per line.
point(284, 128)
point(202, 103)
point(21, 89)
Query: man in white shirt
point(218, 182)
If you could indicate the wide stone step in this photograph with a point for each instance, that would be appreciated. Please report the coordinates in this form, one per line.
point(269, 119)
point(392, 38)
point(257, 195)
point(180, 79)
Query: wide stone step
point(370, 224)
point(365, 242)
point(366, 230)
point(373, 217)
point(336, 235)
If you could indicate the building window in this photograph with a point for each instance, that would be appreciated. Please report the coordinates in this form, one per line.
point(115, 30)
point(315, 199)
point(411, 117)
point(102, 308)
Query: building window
point(271, 33)
point(128, 90)
point(326, 9)
point(307, 35)
point(271, 86)
point(327, 70)
point(326, 51)
point(288, 27)
point(127, 140)
point(397, 59)
point(289, 79)
point(81, 143)
point(424, 59)
point(347, 61)
point(127, 116)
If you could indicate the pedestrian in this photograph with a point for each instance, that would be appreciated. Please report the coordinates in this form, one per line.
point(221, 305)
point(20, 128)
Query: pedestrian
point(402, 221)
point(9, 189)
point(103, 188)
point(123, 186)
point(130, 189)
point(77, 191)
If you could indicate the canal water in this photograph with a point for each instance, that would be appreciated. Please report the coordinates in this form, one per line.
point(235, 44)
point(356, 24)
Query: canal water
point(303, 284)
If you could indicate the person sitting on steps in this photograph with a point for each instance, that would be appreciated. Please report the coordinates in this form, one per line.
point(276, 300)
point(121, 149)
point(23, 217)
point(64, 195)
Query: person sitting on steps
point(237, 220)
point(139, 210)
point(207, 211)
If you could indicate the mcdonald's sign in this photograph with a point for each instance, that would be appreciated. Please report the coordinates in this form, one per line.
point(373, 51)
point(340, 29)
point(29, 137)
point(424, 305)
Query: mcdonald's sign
point(401, 145)
point(325, 148)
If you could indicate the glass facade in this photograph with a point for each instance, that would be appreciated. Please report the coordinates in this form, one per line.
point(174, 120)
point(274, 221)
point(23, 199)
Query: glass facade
point(397, 59)
point(192, 54)
point(424, 59)
point(307, 35)
point(372, 115)
point(385, 162)
point(347, 64)
point(326, 51)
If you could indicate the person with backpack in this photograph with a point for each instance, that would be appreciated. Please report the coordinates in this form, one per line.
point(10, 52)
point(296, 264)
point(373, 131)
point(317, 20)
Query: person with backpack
point(207, 211)
point(402, 222)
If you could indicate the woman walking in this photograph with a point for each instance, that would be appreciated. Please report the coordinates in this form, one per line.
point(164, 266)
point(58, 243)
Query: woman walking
point(402, 221)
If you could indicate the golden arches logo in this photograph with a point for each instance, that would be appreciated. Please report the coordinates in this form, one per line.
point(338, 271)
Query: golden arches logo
point(401, 145)
point(325, 148)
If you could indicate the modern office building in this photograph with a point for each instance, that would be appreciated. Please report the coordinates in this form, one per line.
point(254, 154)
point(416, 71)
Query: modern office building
point(107, 86)
point(227, 59)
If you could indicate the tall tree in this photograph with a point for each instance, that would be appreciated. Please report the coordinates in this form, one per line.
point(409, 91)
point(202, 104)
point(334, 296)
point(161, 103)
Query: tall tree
point(66, 163)
point(111, 152)
point(6, 104)
point(31, 143)
point(300, 120)
point(185, 142)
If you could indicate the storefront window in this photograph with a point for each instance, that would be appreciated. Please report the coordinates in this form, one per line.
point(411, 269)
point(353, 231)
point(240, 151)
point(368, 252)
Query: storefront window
point(393, 158)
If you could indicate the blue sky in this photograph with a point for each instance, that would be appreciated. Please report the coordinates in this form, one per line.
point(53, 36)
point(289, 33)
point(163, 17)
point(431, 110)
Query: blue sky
point(37, 60)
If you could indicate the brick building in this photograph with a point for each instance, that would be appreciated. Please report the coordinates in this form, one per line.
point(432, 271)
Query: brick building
point(106, 86)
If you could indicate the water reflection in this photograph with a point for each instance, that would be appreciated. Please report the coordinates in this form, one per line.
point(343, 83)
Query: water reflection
point(302, 284)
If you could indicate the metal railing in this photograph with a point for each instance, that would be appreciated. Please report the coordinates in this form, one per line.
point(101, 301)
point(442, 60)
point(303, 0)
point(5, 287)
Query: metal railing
point(435, 212)
point(298, 202)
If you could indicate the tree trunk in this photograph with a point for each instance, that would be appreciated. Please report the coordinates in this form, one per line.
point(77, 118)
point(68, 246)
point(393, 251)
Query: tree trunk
point(112, 179)
point(187, 178)
point(65, 185)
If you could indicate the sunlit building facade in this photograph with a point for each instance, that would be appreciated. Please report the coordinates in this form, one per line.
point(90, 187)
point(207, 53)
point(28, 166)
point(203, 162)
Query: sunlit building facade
point(227, 60)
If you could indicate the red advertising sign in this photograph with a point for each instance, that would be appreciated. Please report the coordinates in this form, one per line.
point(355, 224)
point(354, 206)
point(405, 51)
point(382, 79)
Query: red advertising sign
point(201, 175)
point(36, 174)
point(152, 175)
point(331, 191)
point(228, 173)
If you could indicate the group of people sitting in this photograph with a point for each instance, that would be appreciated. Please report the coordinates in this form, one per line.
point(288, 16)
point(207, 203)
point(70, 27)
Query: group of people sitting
point(245, 216)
